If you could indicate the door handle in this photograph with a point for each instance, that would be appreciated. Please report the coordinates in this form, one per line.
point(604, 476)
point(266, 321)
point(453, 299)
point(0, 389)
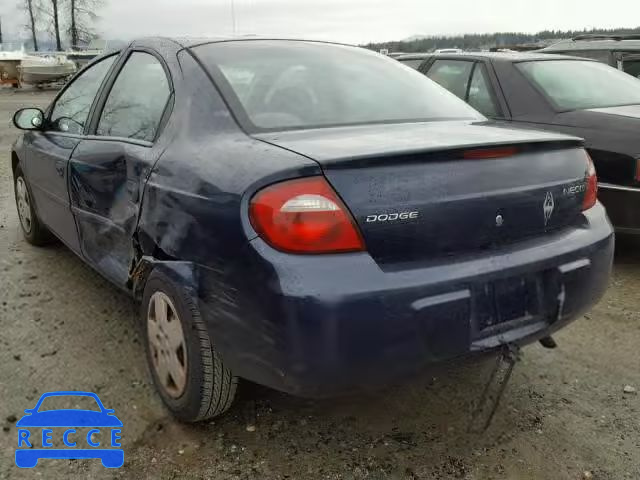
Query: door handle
point(60, 167)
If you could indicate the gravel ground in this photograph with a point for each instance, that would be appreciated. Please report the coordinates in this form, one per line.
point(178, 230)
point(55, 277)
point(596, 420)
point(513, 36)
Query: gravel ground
point(565, 414)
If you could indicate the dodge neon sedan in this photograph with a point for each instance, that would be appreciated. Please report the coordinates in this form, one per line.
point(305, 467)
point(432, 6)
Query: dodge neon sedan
point(312, 217)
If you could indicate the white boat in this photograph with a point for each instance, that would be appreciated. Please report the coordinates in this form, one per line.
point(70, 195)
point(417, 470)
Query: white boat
point(45, 69)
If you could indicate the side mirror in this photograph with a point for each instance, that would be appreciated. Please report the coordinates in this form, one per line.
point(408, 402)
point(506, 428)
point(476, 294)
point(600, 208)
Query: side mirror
point(29, 410)
point(29, 119)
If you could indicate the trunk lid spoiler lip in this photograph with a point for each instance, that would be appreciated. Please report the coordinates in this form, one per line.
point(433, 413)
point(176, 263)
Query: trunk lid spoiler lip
point(310, 143)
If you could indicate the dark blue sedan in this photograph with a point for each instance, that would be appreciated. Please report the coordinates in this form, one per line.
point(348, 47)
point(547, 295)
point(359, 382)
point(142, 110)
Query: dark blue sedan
point(309, 216)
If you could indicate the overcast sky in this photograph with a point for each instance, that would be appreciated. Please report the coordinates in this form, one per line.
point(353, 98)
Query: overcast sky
point(353, 21)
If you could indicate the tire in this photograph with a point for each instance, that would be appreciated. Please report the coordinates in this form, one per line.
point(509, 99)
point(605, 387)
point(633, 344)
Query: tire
point(207, 388)
point(33, 230)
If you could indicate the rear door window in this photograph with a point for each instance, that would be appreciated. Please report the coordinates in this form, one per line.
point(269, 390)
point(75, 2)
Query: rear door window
point(137, 100)
point(481, 94)
point(452, 75)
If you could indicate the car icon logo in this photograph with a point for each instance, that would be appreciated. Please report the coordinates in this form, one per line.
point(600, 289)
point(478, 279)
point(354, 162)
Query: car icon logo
point(70, 433)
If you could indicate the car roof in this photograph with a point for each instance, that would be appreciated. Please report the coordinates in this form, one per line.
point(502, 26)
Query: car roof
point(507, 57)
point(189, 42)
point(596, 42)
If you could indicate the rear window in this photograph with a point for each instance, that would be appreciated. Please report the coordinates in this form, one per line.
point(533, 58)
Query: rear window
point(575, 85)
point(275, 85)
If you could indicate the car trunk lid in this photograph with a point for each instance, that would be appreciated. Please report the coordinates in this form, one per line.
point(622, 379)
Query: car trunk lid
point(416, 193)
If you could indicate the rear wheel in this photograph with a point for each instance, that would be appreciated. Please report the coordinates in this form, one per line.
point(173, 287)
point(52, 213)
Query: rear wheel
point(34, 231)
point(187, 371)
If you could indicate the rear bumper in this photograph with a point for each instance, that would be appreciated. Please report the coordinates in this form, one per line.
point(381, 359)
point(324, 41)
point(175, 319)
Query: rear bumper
point(623, 206)
point(323, 325)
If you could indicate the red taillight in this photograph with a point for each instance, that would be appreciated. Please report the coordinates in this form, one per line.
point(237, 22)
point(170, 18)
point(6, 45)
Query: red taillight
point(486, 153)
point(638, 170)
point(304, 216)
point(591, 194)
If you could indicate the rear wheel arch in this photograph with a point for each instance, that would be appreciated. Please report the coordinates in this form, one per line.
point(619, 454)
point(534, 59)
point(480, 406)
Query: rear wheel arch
point(180, 272)
point(211, 386)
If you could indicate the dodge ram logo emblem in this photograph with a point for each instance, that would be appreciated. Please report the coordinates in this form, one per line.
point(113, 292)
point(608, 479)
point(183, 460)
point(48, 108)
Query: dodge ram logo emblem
point(548, 207)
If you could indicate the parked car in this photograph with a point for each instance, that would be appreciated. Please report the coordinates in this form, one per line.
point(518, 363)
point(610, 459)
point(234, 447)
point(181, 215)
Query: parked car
point(619, 51)
point(563, 94)
point(309, 216)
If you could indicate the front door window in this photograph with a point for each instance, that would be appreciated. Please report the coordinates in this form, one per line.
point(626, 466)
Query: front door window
point(71, 110)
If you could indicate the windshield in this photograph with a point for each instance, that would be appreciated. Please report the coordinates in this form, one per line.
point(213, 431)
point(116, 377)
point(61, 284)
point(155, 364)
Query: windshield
point(293, 84)
point(575, 85)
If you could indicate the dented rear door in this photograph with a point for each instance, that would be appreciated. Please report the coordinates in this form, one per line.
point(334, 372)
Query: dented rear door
point(106, 180)
point(108, 169)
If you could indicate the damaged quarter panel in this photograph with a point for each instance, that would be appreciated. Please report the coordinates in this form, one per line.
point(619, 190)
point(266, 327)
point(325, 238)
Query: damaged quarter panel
point(192, 214)
point(192, 201)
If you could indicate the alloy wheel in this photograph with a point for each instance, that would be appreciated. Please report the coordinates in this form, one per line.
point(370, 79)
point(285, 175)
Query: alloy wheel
point(167, 344)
